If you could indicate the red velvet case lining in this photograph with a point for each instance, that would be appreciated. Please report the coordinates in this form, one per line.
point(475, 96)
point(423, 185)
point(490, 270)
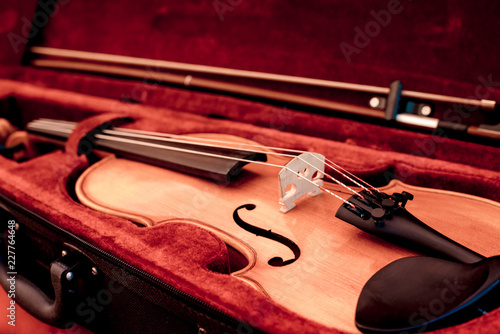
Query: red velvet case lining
point(40, 185)
point(439, 47)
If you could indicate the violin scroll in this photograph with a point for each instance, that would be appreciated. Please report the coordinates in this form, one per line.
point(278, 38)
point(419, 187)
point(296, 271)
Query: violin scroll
point(6, 128)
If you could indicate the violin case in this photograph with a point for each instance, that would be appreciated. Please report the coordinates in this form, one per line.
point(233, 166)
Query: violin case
point(173, 278)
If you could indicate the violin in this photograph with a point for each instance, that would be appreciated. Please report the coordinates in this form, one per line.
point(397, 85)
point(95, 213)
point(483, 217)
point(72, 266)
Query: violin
point(297, 227)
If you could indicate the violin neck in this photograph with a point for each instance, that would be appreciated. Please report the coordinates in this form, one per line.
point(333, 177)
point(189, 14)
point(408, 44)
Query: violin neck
point(219, 164)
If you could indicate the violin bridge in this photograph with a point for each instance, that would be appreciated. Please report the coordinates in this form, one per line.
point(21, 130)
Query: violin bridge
point(310, 168)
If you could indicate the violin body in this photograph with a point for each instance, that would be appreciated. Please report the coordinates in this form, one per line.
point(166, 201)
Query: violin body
point(336, 259)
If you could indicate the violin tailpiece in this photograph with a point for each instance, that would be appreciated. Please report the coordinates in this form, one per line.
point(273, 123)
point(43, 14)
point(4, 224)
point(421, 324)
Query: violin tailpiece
point(386, 217)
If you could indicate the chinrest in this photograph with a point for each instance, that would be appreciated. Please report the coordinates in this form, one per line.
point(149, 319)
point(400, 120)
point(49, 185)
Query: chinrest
point(423, 293)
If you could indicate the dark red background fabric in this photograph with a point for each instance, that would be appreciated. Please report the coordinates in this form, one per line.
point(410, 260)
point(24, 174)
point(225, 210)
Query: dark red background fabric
point(447, 48)
point(439, 45)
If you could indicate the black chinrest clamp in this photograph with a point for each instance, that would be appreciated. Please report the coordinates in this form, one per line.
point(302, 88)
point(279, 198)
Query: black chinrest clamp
point(419, 294)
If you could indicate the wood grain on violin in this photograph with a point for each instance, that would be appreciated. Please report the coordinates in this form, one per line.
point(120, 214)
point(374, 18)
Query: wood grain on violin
point(336, 259)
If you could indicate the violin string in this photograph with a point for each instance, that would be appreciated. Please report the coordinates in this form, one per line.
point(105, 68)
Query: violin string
point(68, 130)
point(68, 127)
point(135, 142)
point(169, 137)
point(328, 163)
point(183, 141)
point(64, 128)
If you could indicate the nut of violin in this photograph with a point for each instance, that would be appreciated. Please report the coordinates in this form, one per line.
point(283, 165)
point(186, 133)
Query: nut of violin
point(301, 176)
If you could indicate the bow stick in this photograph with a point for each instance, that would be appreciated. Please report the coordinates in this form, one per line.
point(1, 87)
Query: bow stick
point(100, 63)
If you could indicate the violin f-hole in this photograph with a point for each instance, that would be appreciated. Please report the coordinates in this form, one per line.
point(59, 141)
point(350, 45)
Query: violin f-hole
point(275, 261)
